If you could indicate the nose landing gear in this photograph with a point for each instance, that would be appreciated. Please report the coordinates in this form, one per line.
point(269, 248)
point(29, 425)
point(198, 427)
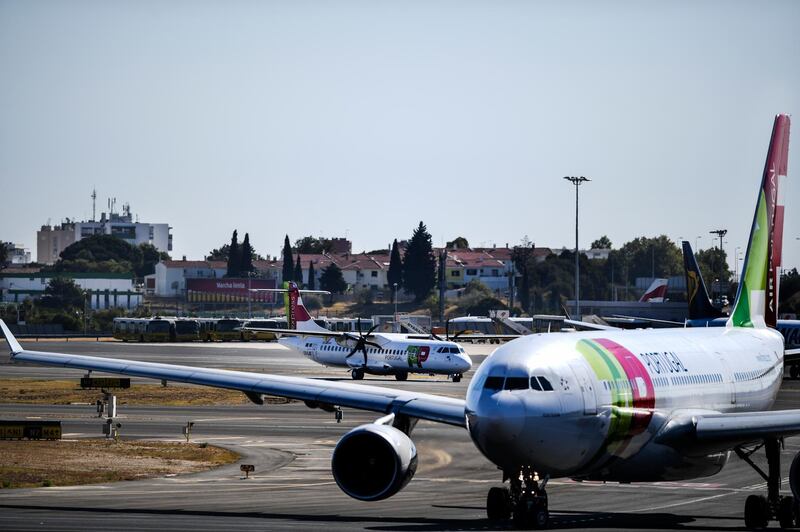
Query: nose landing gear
point(525, 500)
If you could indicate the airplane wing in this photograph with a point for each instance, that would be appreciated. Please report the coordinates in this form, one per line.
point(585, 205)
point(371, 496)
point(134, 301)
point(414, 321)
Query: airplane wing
point(298, 332)
point(590, 326)
point(722, 431)
point(315, 392)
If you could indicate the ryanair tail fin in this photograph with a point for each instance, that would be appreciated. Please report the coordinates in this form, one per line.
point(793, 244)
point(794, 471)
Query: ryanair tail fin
point(700, 306)
point(756, 302)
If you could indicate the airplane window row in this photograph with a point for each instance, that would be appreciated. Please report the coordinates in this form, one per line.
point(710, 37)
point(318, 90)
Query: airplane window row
point(330, 347)
point(749, 375)
point(497, 382)
point(697, 379)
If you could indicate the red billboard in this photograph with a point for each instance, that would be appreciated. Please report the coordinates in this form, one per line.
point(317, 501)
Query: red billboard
point(230, 289)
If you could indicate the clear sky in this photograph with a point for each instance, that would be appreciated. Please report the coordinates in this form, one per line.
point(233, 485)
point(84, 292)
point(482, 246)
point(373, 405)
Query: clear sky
point(361, 118)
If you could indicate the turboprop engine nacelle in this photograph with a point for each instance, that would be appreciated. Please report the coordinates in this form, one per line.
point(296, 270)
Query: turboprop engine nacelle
point(373, 462)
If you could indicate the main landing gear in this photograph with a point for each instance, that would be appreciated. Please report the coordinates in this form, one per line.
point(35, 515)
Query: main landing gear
point(760, 509)
point(525, 500)
point(357, 373)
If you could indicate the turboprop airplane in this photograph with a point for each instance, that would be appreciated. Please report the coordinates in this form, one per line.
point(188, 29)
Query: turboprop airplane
point(627, 406)
point(377, 353)
point(703, 314)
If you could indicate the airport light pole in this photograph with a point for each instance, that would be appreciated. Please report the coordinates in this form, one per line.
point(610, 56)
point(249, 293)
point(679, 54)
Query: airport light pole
point(577, 182)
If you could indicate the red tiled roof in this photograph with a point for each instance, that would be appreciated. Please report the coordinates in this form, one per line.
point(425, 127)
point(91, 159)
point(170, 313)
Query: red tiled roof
point(211, 264)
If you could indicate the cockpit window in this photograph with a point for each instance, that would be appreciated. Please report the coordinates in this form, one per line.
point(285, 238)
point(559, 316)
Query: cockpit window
point(541, 384)
point(494, 383)
point(516, 383)
point(535, 384)
point(546, 386)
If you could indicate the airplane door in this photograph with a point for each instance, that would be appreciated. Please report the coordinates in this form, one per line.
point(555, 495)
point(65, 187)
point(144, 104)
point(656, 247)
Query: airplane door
point(729, 380)
point(586, 385)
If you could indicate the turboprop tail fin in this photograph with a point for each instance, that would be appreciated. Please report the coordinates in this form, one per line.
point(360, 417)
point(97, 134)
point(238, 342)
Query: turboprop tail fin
point(756, 302)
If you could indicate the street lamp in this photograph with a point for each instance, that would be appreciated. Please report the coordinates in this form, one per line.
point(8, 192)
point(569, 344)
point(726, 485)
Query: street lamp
point(577, 182)
point(696, 247)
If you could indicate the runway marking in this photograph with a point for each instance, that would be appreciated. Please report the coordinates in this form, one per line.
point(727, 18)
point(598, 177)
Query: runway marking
point(682, 503)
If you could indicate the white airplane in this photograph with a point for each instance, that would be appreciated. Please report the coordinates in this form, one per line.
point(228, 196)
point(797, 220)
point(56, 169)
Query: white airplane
point(376, 353)
point(656, 292)
point(628, 406)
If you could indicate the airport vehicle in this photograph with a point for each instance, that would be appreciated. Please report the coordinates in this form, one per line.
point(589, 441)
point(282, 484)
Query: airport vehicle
point(144, 329)
point(376, 353)
point(703, 314)
point(627, 406)
point(187, 330)
point(252, 327)
point(226, 329)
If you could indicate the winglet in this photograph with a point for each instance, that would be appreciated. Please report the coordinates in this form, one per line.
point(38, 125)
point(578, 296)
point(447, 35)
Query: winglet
point(12, 342)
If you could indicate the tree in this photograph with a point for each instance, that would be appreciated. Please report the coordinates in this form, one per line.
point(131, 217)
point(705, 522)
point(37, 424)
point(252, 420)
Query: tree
point(3, 255)
point(520, 256)
point(312, 282)
point(419, 266)
point(220, 253)
point(63, 293)
point(246, 264)
point(288, 263)
point(298, 272)
point(713, 264)
point(601, 243)
point(395, 273)
point(311, 245)
point(234, 256)
point(150, 257)
point(332, 279)
point(458, 243)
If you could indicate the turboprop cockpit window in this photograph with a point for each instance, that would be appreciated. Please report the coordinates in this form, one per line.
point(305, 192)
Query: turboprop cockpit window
point(494, 383)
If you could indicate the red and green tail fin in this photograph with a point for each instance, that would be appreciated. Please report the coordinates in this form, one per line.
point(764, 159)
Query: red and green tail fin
point(756, 302)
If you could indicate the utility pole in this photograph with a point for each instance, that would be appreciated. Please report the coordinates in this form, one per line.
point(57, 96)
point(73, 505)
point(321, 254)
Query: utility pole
point(577, 182)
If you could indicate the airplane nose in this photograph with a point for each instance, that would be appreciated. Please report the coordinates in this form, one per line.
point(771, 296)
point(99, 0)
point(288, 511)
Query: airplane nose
point(464, 363)
point(495, 425)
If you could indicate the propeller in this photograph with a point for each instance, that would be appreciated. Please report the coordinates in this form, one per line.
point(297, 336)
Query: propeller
point(447, 333)
point(361, 341)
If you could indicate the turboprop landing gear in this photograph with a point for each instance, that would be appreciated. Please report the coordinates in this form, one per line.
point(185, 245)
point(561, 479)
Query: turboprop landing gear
point(401, 376)
point(357, 374)
point(758, 509)
point(525, 500)
point(794, 371)
point(457, 377)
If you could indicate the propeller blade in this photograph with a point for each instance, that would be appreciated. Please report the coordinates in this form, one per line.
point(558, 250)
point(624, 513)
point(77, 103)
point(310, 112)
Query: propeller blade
point(459, 333)
point(359, 327)
point(436, 337)
point(353, 352)
point(371, 329)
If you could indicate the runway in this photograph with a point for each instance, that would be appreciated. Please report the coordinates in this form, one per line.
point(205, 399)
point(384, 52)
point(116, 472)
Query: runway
point(290, 447)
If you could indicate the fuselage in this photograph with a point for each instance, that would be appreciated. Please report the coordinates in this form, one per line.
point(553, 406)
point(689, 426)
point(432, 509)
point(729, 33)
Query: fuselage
point(790, 329)
point(588, 405)
point(397, 353)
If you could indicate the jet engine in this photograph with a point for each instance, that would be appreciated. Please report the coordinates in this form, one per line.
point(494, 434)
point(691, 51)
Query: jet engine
point(794, 477)
point(373, 462)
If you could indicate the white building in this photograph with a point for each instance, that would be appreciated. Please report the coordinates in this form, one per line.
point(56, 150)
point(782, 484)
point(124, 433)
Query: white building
point(17, 254)
point(51, 241)
point(106, 290)
point(171, 275)
point(365, 272)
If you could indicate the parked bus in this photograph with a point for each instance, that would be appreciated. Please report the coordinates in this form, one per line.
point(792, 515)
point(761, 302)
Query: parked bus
point(344, 324)
point(187, 330)
point(226, 329)
point(269, 323)
point(144, 329)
